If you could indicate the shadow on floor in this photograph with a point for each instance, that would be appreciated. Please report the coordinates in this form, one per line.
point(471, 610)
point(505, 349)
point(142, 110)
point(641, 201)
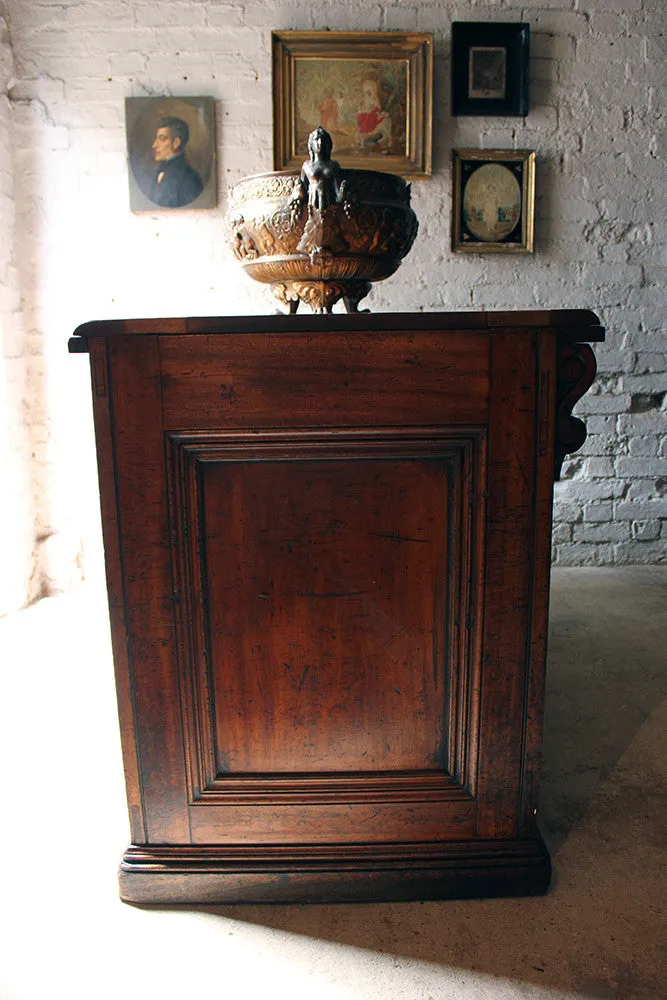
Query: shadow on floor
point(597, 934)
point(603, 799)
point(606, 673)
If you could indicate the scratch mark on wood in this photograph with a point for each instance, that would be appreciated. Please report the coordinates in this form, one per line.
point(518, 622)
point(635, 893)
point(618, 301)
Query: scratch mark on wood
point(395, 537)
point(304, 675)
point(333, 593)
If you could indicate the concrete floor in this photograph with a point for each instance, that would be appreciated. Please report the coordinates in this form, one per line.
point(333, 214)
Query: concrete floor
point(599, 933)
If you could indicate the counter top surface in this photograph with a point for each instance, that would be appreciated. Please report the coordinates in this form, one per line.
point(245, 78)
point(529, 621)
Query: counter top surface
point(582, 324)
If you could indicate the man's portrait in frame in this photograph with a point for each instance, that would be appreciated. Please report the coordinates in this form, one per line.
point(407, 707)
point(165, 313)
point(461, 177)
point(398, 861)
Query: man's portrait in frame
point(171, 153)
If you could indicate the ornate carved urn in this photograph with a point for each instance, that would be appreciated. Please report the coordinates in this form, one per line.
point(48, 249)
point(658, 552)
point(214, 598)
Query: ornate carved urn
point(324, 234)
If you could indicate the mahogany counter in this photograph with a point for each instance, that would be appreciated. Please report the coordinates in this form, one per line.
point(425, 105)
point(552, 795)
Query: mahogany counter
point(327, 543)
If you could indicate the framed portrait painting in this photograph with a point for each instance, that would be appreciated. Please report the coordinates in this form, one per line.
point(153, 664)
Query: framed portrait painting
point(493, 201)
point(490, 68)
point(170, 153)
point(372, 91)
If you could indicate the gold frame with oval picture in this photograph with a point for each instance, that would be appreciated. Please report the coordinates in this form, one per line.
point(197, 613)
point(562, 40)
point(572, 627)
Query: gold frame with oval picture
point(493, 201)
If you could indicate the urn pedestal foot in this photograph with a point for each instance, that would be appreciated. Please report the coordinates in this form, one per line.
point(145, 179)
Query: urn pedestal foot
point(321, 296)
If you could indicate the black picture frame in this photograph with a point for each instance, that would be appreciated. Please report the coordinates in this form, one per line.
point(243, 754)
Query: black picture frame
point(490, 68)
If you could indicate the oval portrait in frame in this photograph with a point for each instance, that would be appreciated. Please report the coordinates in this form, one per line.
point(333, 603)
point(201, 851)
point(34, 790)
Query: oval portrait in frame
point(492, 202)
point(171, 152)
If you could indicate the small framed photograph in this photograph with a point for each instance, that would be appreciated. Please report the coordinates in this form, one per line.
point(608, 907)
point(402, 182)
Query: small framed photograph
point(371, 90)
point(489, 68)
point(170, 152)
point(493, 201)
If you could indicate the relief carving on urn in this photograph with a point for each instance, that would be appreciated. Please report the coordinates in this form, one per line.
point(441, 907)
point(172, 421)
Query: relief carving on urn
point(322, 235)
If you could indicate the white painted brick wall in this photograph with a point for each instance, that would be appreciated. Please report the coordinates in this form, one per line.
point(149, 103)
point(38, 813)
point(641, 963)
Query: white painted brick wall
point(18, 583)
point(597, 122)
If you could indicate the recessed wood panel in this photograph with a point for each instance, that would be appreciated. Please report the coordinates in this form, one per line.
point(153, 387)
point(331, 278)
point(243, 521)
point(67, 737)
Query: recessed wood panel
point(324, 582)
point(327, 598)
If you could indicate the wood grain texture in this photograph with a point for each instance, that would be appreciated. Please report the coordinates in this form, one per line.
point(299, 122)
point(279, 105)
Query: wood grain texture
point(509, 551)
point(335, 569)
point(141, 505)
point(545, 380)
point(111, 530)
point(579, 324)
point(323, 583)
point(304, 380)
point(328, 559)
point(344, 822)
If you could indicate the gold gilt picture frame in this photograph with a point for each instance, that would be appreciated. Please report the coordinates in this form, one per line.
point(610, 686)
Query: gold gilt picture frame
point(493, 201)
point(371, 90)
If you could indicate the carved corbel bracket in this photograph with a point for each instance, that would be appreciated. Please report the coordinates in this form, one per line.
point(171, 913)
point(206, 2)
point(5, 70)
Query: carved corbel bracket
point(576, 371)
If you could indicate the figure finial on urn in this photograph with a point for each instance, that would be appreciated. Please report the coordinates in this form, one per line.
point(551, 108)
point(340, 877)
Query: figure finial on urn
point(321, 180)
point(320, 173)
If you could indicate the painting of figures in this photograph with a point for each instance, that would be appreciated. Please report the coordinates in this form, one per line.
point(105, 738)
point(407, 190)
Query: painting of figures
point(362, 104)
point(371, 90)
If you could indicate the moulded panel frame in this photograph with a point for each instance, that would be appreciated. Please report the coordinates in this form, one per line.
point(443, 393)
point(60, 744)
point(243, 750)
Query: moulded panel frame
point(463, 449)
